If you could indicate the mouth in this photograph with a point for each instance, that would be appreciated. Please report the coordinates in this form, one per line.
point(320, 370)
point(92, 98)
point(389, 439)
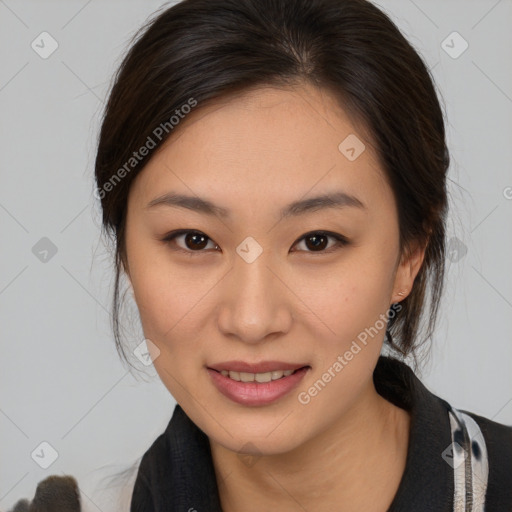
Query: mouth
point(261, 377)
point(259, 384)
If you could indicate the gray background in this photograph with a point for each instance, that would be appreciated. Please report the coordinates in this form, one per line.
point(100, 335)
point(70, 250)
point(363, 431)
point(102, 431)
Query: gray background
point(61, 380)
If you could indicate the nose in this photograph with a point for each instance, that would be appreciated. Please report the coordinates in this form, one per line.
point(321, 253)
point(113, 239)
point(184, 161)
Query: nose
point(255, 301)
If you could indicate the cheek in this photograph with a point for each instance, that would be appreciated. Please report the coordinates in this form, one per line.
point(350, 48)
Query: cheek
point(346, 299)
point(166, 296)
point(169, 302)
point(353, 303)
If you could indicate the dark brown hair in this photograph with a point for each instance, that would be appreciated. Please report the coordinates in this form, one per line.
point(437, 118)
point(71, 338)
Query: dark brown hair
point(202, 50)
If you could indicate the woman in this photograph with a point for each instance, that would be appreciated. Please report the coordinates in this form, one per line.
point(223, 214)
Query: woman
point(274, 175)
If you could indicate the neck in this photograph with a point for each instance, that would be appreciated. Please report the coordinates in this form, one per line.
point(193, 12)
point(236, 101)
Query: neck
point(357, 463)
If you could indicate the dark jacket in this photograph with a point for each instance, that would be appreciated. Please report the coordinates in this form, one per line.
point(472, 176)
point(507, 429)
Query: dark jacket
point(453, 457)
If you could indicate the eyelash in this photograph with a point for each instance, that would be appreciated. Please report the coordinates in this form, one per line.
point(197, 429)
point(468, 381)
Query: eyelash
point(341, 241)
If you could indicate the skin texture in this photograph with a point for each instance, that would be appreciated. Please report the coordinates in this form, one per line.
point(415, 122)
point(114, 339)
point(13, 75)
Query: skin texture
point(253, 154)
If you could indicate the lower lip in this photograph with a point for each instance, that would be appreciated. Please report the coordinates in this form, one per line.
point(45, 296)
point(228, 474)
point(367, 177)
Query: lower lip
point(256, 393)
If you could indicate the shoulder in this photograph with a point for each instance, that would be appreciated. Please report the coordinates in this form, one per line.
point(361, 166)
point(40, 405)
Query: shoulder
point(468, 456)
point(497, 438)
point(153, 464)
point(154, 459)
point(497, 434)
point(491, 448)
point(498, 442)
point(176, 469)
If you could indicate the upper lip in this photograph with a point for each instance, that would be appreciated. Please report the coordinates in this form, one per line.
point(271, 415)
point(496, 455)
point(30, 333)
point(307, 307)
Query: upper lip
point(262, 367)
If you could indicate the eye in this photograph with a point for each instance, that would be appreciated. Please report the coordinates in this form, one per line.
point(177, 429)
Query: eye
point(316, 241)
point(194, 241)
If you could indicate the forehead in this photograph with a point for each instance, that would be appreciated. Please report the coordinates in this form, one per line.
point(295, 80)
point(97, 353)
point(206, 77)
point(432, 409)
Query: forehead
point(270, 142)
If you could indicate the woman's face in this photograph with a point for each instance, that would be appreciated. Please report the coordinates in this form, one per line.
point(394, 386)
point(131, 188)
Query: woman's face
point(250, 287)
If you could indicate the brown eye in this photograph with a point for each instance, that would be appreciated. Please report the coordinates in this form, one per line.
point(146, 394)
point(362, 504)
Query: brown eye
point(195, 241)
point(318, 241)
point(192, 241)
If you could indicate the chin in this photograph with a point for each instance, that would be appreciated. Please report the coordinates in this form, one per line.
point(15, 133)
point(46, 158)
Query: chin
point(250, 444)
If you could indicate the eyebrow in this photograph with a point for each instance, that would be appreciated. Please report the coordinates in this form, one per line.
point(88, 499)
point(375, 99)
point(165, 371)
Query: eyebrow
point(337, 199)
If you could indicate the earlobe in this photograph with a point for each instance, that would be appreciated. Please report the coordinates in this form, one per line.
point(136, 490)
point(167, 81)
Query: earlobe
point(399, 296)
point(407, 271)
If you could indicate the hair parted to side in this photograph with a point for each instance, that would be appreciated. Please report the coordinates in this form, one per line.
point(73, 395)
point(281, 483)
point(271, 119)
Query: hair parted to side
point(202, 50)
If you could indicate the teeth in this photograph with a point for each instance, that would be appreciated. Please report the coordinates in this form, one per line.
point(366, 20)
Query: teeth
point(246, 377)
point(258, 377)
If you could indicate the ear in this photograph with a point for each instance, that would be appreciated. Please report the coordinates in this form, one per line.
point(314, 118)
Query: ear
point(407, 270)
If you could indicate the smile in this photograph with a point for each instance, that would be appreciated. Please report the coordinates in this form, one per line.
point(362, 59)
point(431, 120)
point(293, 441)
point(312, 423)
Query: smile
point(256, 377)
point(257, 387)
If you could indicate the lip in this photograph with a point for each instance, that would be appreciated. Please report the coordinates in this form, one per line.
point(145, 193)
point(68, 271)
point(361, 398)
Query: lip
point(262, 367)
point(256, 393)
